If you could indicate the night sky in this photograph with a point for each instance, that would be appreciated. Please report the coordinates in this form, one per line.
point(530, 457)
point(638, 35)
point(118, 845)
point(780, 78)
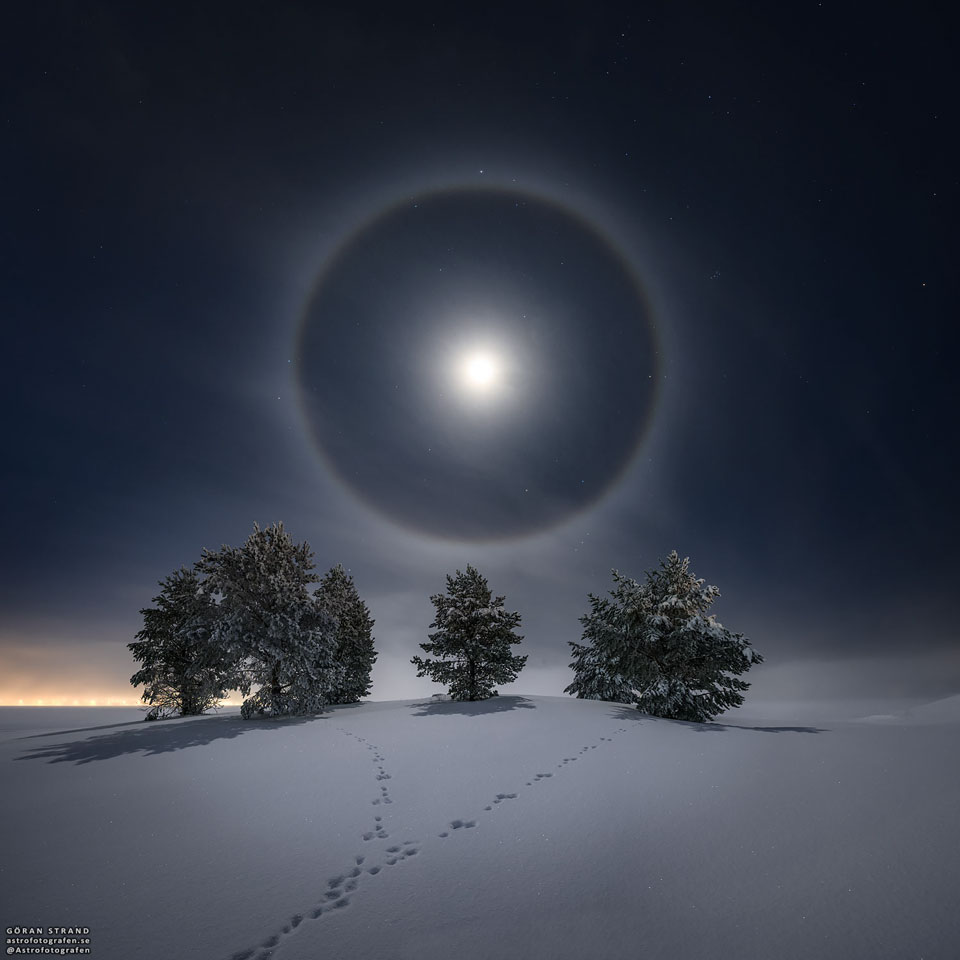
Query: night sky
point(548, 291)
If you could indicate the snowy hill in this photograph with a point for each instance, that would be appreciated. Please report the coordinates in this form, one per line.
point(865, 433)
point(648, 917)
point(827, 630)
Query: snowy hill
point(517, 827)
point(946, 710)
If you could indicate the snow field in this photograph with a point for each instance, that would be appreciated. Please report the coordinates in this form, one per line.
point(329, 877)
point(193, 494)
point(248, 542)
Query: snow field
point(520, 826)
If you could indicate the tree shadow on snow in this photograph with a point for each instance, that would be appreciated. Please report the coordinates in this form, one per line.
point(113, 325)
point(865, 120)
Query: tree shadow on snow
point(706, 727)
point(63, 733)
point(632, 713)
point(154, 738)
point(473, 708)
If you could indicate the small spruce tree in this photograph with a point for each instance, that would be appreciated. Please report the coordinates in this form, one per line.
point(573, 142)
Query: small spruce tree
point(269, 624)
point(471, 644)
point(183, 673)
point(655, 645)
point(355, 652)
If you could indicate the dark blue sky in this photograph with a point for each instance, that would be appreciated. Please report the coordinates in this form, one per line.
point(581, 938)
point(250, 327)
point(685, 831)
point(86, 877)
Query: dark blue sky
point(224, 302)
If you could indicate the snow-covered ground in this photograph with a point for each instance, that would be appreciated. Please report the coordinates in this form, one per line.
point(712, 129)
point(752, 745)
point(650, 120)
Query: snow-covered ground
point(527, 827)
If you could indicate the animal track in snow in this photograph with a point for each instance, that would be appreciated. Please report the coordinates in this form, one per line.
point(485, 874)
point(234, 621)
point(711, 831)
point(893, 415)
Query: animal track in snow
point(380, 776)
point(336, 897)
point(538, 777)
point(341, 886)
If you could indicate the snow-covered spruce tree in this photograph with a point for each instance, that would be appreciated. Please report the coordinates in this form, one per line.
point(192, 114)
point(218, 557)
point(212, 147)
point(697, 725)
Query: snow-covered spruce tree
point(183, 673)
point(598, 667)
point(655, 645)
point(472, 640)
point(269, 623)
point(355, 653)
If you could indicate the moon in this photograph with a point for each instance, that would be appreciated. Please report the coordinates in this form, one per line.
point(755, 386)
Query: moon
point(480, 371)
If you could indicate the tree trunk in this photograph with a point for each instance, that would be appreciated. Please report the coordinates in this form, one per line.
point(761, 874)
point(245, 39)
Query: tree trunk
point(275, 690)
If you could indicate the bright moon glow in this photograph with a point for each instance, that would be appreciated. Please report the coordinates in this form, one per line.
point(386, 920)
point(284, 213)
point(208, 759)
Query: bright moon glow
point(480, 371)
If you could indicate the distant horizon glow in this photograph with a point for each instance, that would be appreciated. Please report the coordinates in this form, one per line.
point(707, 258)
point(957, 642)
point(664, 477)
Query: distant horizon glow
point(70, 701)
point(87, 702)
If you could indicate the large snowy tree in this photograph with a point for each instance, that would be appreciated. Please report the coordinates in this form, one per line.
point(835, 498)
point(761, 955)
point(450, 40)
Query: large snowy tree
point(183, 673)
point(355, 652)
point(471, 645)
point(655, 644)
point(268, 623)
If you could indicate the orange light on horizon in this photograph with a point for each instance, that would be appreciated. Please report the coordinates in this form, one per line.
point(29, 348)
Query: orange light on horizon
point(64, 698)
point(70, 698)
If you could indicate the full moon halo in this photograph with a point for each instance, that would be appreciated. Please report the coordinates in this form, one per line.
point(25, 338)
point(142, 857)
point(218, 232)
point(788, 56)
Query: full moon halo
point(457, 354)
